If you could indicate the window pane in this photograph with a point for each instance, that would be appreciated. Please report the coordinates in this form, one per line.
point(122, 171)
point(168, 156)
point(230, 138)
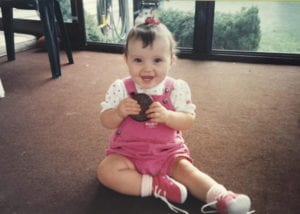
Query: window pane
point(257, 26)
point(65, 6)
point(106, 21)
point(178, 16)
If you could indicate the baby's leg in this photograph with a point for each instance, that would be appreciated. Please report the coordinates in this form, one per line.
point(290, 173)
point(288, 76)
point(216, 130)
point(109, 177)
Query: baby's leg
point(197, 182)
point(207, 189)
point(118, 173)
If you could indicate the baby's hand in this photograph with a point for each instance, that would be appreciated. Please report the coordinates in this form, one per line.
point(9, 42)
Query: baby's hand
point(128, 106)
point(157, 113)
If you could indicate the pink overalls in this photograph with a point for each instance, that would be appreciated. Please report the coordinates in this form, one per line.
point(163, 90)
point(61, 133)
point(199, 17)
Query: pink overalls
point(152, 147)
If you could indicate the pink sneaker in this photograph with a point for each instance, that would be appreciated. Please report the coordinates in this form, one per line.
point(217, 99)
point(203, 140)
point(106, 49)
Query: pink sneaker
point(165, 187)
point(231, 203)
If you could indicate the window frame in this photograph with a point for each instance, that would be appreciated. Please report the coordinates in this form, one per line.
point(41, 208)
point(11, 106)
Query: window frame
point(202, 48)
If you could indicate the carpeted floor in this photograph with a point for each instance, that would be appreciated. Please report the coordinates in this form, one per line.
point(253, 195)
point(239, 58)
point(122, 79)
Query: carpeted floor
point(247, 134)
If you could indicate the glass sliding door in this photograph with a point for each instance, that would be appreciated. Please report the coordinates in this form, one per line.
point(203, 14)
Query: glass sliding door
point(252, 31)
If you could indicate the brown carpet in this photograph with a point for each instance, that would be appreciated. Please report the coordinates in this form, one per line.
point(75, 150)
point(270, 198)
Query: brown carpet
point(247, 134)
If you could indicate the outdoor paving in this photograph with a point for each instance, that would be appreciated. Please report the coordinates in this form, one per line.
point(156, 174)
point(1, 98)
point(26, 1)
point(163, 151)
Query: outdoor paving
point(22, 42)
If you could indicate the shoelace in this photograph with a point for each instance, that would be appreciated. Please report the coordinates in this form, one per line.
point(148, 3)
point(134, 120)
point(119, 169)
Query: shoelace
point(157, 194)
point(215, 211)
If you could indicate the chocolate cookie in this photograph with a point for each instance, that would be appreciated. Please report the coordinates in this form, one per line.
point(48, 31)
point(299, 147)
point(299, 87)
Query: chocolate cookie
point(145, 101)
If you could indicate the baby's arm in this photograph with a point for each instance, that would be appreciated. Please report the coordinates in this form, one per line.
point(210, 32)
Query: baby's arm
point(176, 120)
point(111, 118)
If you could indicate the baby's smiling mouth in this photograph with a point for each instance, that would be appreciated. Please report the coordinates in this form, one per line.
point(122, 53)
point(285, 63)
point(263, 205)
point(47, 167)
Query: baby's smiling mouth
point(147, 78)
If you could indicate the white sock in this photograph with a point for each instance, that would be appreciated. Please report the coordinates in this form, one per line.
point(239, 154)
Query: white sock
point(214, 192)
point(146, 189)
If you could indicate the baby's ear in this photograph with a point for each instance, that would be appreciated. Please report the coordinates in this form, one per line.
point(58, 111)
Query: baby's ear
point(173, 59)
point(125, 57)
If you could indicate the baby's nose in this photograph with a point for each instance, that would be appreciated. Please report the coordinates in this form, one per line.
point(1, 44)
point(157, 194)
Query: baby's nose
point(148, 67)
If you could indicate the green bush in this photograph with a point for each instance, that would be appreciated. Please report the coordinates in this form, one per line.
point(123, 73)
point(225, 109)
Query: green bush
point(91, 28)
point(65, 6)
point(239, 31)
point(181, 24)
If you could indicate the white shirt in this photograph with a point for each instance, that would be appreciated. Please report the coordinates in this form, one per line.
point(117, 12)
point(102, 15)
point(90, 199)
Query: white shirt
point(180, 96)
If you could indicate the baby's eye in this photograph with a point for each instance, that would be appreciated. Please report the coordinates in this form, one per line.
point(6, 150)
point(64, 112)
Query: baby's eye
point(157, 60)
point(138, 60)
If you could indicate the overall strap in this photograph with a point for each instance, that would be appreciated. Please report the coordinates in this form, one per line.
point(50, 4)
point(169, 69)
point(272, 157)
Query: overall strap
point(169, 85)
point(129, 85)
point(165, 98)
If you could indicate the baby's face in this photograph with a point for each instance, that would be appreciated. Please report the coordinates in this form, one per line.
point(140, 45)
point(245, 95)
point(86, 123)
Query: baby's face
point(150, 65)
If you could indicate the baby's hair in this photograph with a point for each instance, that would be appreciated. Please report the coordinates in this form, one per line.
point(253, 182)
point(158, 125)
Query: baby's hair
point(146, 32)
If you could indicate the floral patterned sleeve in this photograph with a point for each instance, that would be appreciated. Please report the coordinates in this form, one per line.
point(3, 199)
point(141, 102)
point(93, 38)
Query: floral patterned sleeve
point(114, 95)
point(182, 98)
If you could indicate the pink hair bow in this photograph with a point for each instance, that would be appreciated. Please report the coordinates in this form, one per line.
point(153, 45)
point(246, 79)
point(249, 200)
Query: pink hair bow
point(151, 20)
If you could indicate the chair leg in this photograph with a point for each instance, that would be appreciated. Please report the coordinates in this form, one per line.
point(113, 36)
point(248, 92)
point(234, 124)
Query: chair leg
point(7, 19)
point(63, 31)
point(46, 9)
